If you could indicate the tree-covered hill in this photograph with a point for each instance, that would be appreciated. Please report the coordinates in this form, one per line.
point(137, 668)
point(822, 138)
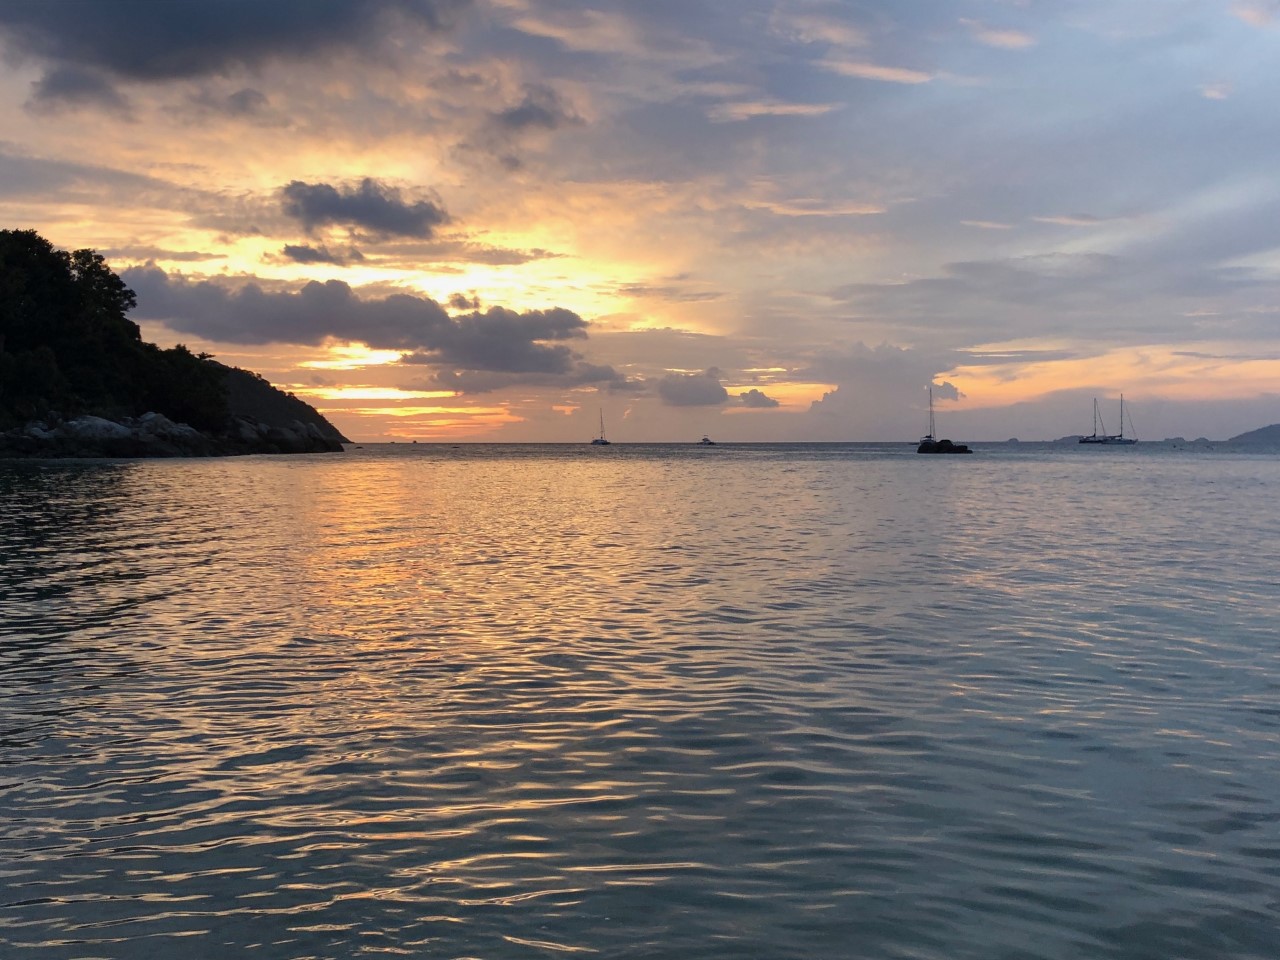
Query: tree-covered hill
point(250, 395)
point(68, 350)
point(1263, 436)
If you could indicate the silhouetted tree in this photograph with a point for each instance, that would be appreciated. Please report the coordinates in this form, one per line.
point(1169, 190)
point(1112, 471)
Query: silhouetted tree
point(66, 343)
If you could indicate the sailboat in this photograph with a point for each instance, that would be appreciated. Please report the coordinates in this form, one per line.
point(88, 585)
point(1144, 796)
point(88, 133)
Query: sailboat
point(1104, 437)
point(600, 441)
point(928, 444)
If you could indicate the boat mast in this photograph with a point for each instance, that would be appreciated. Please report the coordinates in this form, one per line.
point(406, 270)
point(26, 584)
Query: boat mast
point(1122, 416)
point(601, 424)
point(931, 411)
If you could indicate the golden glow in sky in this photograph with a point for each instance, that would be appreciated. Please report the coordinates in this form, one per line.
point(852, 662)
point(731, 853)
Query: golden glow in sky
point(467, 221)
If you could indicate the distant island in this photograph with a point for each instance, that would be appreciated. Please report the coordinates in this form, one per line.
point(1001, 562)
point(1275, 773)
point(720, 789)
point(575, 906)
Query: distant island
point(78, 380)
point(1263, 436)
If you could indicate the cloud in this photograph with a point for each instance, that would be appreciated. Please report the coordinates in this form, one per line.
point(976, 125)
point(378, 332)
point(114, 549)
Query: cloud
point(541, 107)
point(1258, 13)
point(503, 340)
point(1071, 220)
point(692, 389)
point(946, 390)
point(499, 340)
point(874, 71)
point(370, 205)
point(1004, 39)
point(878, 389)
point(74, 86)
point(144, 40)
point(309, 316)
point(244, 103)
point(731, 111)
point(992, 301)
point(577, 374)
point(809, 27)
point(755, 399)
point(321, 254)
point(816, 207)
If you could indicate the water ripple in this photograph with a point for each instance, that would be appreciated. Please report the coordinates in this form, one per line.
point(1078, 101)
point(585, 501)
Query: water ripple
point(513, 702)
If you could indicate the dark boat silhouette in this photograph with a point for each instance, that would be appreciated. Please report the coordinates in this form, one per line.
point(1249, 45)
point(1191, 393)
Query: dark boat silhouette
point(1118, 439)
point(600, 441)
point(930, 444)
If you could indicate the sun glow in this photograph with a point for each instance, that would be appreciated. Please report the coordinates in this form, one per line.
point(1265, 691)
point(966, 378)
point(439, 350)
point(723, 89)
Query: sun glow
point(352, 356)
point(373, 393)
point(790, 396)
point(1200, 371)
point(427, 411)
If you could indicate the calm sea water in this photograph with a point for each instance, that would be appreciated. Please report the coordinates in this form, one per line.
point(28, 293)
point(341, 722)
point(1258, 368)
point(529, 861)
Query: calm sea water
point(642, 702)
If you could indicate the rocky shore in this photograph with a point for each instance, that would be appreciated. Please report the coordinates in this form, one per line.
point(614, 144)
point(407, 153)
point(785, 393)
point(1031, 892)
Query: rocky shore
point(154, 435)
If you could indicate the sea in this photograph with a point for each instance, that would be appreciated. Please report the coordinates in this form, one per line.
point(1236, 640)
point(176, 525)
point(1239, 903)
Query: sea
point(643, 701)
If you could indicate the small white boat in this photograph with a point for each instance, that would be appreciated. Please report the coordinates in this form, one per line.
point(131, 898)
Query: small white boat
point(706, 442)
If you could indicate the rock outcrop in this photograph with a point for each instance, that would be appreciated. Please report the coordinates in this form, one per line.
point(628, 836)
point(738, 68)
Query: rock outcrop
point(154, 435)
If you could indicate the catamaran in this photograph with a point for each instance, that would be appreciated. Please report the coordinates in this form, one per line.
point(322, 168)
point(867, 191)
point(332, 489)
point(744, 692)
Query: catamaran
point(928, 444)
point(1111, 438)
point(600, 441)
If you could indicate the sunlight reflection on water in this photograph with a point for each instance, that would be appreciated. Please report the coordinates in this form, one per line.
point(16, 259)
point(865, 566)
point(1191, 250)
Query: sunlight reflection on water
point(649, 702)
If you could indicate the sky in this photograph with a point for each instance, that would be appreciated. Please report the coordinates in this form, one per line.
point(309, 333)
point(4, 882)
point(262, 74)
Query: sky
point(503, 220)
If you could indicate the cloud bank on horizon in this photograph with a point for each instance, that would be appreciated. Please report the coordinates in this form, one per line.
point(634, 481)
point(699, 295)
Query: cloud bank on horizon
point(488, 219)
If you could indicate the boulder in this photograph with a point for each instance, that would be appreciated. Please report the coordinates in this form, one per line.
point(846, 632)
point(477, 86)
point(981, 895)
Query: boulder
point(94, 428)
point(155, 435)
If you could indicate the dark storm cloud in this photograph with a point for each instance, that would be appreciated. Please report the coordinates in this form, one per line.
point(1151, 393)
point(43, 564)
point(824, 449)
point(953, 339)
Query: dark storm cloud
point(754, 398)
point(498, 340)
point(370, 205)
point(692, 389)
point(150, 40)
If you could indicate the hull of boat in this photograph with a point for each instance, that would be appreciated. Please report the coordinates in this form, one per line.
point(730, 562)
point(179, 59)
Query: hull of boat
point(941, 446)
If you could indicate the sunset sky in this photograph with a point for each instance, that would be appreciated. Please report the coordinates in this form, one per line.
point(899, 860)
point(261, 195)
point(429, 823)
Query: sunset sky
point(497, 220)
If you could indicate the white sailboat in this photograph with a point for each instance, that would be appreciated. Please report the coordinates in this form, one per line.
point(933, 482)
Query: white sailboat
point(600, 440)
point(1109, 438)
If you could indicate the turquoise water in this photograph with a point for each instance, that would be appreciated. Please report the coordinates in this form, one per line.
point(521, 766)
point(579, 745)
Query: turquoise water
point(642, 702)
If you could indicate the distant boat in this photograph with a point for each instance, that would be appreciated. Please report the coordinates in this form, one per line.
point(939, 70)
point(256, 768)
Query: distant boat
point(1109, 438)
point(706, 442)
point(600, 441)
point(928, 444)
